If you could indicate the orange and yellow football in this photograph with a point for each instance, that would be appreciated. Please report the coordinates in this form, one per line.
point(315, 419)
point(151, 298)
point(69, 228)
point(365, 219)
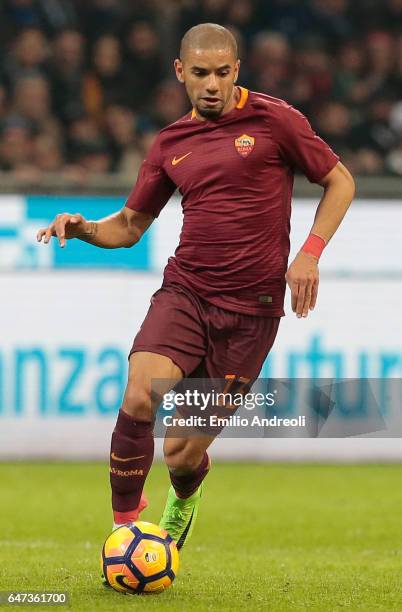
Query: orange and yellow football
point(138, 558)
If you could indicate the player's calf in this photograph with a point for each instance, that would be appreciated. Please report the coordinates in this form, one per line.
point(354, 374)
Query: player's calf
point(184, 496)
point(131, 456)
point(132, 447)
point(187, 468)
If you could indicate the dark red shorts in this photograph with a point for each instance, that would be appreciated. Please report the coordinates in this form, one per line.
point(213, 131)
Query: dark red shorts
point(202, 339)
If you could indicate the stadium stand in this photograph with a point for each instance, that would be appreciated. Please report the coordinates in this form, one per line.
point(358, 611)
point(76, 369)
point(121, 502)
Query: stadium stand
point(84, 87)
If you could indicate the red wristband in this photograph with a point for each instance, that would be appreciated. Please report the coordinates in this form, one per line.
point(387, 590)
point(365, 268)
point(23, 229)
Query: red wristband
point(314, 245)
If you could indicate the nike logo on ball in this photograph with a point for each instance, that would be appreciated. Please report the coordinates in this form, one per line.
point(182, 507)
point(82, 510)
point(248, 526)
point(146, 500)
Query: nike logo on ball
point(177, 160)
point(116, 458)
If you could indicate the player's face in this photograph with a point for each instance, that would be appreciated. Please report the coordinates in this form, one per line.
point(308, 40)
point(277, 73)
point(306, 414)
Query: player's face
point(209, 76)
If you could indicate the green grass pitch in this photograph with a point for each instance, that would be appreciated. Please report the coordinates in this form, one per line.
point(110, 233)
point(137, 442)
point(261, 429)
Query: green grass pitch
point(269, 537)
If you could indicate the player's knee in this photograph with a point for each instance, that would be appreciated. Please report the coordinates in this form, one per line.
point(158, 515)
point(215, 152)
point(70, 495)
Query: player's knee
point(137, 403)
point(182, 459)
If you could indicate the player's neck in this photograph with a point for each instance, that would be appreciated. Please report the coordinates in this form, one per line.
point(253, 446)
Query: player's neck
point(233, 102)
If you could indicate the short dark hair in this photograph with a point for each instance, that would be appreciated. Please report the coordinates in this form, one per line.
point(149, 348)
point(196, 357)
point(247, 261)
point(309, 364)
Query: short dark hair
point(206, 36)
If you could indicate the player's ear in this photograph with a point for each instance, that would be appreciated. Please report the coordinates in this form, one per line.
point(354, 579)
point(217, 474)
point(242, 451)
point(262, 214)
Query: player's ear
point(178, 66)
point(236, 70)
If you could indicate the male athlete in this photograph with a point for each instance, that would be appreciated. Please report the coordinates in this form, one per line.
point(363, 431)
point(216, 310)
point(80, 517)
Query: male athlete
point(217, 313)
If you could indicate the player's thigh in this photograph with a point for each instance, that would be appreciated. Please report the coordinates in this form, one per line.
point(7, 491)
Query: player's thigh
point(150, 375)
point(173, 327)
point(239, 344)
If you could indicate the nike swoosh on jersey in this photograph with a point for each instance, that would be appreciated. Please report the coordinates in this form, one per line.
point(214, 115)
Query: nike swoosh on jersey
point(177, 160)
point(116, 458)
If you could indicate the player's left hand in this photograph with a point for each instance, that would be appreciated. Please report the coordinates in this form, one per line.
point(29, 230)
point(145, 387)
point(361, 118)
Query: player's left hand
point(303, 279)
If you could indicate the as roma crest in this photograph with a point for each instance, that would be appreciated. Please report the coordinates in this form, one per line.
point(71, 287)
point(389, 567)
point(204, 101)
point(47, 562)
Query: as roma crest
point(244, 145)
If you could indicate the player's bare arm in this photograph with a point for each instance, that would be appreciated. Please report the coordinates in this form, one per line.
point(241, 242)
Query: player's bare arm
point(121, 229)
point(303, 275)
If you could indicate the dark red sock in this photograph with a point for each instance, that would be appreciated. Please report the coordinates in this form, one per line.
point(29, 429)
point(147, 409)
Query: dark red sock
point(131, 455)
point(187, 484)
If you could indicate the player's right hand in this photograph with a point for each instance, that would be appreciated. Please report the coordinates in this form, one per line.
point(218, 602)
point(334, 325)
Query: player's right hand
point(64, 227)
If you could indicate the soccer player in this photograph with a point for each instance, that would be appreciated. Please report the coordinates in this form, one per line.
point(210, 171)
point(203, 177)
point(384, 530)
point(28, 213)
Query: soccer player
point(232, 158)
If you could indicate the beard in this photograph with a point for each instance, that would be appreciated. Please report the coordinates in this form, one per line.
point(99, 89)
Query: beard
point(210, 113)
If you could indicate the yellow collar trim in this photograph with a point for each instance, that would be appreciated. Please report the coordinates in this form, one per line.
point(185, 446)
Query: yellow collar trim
point(243, 97)
point(241, 103)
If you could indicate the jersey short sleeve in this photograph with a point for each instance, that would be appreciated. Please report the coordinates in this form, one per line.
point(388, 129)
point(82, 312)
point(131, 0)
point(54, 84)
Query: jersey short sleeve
point(300, 146)
point(153, 187)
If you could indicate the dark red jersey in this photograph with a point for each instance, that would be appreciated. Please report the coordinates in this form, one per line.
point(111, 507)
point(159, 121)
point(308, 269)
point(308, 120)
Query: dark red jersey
point(235, 175)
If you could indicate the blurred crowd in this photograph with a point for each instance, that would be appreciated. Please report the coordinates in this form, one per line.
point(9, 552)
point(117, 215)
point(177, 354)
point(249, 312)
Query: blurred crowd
point(85, 86)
